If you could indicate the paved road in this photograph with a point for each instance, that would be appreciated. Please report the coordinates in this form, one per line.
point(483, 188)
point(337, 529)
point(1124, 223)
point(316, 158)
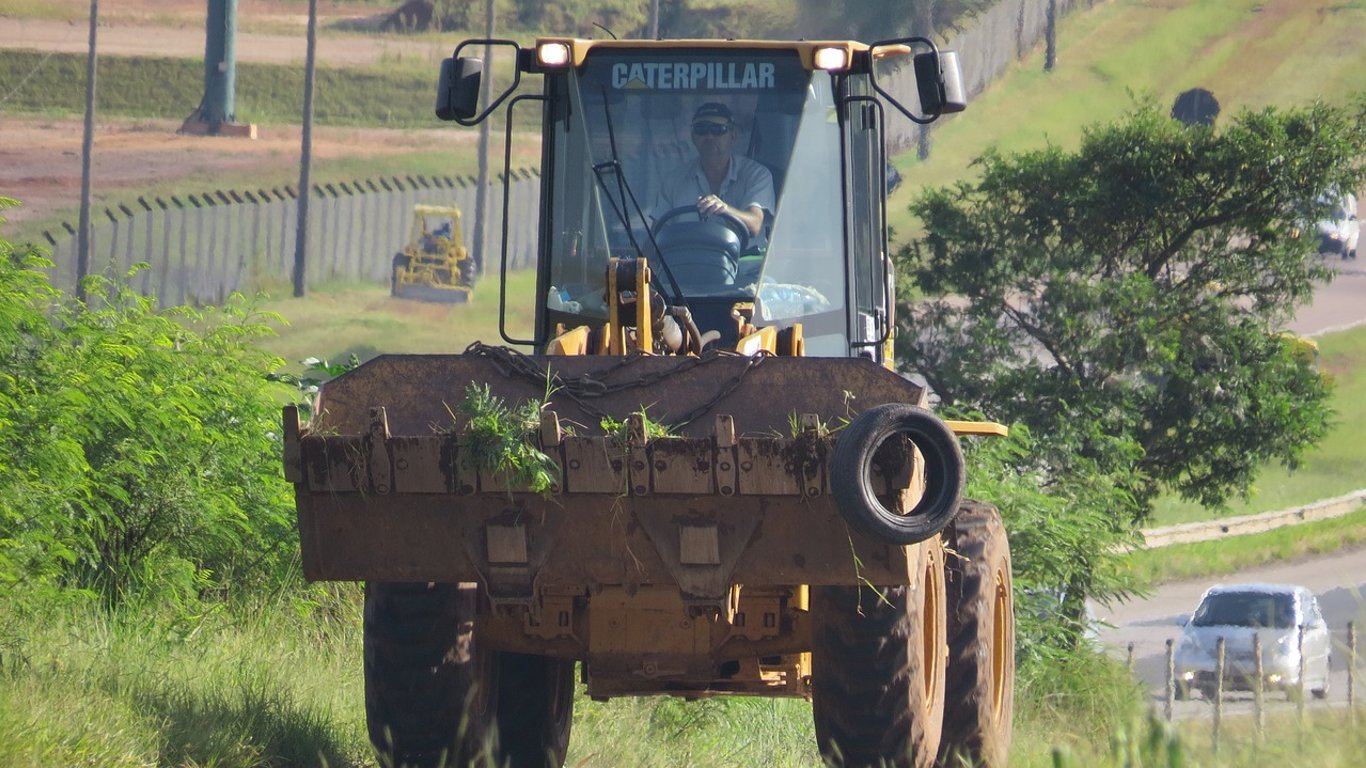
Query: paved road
point(1340, 304)
point(1338, 580)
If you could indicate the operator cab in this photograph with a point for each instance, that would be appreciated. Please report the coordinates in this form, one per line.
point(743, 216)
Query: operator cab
point(618, 124)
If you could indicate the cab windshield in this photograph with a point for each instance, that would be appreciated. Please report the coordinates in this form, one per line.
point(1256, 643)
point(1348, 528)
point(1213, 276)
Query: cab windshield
point(624, 153)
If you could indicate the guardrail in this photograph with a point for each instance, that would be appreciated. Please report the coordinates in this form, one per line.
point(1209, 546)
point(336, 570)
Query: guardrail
point(1209, 530)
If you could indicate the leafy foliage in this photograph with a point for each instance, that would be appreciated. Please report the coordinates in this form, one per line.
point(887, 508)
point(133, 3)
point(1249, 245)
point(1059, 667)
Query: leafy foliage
point(1123, 301)
point(501, 439)
point(620, 430)
point(1064, 543)
point(135, 452)
point(316, 373)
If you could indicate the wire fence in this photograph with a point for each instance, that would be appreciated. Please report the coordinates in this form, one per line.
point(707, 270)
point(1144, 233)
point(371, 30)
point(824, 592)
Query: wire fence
point(991, 42)
point(202, 247)
point(1248, 675)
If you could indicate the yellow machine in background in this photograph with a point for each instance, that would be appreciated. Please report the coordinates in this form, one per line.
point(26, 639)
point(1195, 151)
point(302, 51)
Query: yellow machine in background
point(434, 265)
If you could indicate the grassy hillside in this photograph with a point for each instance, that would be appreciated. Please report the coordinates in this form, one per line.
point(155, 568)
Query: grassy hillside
point(1249, 53)
point(391, 97)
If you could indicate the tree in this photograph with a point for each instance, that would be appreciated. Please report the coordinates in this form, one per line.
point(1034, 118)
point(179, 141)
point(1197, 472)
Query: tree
point(1125, 301)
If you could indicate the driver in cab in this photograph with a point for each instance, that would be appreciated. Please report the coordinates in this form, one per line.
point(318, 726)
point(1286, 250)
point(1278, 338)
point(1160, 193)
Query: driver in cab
point(719, 182)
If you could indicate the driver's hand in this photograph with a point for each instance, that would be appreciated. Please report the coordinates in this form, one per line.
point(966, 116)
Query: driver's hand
point(708, 205)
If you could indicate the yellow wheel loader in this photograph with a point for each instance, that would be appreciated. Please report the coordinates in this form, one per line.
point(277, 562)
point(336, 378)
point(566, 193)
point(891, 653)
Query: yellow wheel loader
point(434, 265)
point(734, 493)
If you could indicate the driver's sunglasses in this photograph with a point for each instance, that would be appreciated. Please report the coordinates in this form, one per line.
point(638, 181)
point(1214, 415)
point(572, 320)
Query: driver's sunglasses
point(710, 129)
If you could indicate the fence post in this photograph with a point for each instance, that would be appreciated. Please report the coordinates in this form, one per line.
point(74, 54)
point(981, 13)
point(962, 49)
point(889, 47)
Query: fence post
point(183, 233)
point(1171, 683)
point(1258, 722)
point(147, 247)
point(232, 256)
point(1352, 670)
point(1299, 700)
point(1218, 691)
point(209, 264)
point(113, 240)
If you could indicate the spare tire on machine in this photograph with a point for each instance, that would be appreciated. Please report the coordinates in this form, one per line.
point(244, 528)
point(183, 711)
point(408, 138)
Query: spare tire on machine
point(859, 447)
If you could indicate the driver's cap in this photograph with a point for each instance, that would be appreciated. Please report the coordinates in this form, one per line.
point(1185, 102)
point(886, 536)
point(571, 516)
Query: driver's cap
point(712, 112)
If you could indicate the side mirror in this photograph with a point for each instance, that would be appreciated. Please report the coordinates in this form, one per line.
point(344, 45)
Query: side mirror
point(457, 91)
point(939, 78)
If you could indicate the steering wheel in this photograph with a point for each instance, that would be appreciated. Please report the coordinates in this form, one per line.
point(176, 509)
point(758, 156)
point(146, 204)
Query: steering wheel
point(727, 219)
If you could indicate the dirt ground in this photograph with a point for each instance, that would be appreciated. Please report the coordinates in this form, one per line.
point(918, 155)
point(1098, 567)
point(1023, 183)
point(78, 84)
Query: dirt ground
point(40, 158)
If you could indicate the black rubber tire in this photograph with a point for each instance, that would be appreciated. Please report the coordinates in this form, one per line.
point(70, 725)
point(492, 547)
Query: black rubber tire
point(430, 692)
point(535, 710)
point(877, 669)
point(465, 268)
point(401, 261)
point(855, 452)
point(979, 689)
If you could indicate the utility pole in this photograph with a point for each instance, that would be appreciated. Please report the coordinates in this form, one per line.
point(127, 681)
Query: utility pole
point(654, 19)
point(87, 152)
point(216, 113)
point(481, 194)
point(1050, 36)
point(306, 153)
point(925, 23)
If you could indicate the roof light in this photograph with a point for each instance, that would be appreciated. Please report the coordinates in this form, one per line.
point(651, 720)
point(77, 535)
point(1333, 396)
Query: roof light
point(832, 59)
point(552, 54)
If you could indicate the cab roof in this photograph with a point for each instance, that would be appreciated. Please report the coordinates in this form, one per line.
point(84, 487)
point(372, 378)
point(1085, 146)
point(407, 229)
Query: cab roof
point(806, 49)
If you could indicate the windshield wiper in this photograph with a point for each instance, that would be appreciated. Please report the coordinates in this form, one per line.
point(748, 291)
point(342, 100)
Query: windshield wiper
point(623, 214)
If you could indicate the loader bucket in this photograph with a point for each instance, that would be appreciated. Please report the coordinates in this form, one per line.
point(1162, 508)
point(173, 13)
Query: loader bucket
point(738, 492)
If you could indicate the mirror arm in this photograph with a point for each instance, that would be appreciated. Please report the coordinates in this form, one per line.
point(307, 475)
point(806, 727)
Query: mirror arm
point(521, 58)
point(938, 77)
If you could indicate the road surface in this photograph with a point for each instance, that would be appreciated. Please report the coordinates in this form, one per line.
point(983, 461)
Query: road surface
point(1338, 305)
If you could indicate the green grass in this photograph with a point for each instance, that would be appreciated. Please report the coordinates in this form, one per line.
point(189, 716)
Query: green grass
point(140, 87)
point(1179, 562)
point(339, 320)
point(274, 683)
point(278, 681)
point(1127, 49)
point(1326, 737)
